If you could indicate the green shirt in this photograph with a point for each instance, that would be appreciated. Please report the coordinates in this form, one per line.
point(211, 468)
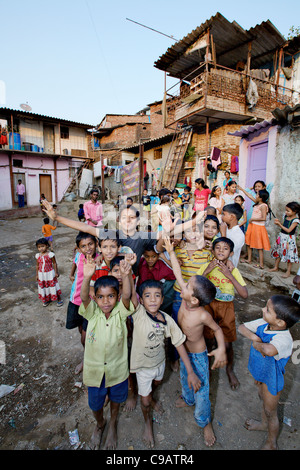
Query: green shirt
point(105, 345)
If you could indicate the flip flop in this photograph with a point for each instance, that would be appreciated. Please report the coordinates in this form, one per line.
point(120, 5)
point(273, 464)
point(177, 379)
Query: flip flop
point(258, 266)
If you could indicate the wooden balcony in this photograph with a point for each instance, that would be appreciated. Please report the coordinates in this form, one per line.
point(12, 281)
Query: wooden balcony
point(221, 94)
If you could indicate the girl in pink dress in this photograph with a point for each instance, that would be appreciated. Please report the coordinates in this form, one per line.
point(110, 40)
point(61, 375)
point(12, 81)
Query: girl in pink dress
point(201, 195)
point(47, 274)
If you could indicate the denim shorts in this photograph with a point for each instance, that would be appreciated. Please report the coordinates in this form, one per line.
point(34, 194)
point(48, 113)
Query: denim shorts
point(200, 399)
point(117, 393)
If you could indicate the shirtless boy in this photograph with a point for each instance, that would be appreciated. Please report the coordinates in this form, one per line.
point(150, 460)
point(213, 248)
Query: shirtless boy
point(192, 317)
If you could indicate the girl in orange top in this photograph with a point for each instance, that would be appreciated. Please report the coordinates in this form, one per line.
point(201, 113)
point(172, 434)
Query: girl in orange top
point(257, 235)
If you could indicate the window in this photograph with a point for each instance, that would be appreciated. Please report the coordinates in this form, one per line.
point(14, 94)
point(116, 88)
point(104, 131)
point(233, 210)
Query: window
point(157, 154)
point(18, 163)
point(64, 132)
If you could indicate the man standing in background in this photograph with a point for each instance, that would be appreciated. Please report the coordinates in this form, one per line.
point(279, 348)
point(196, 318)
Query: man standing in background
point(21, 193)
point(93, 210)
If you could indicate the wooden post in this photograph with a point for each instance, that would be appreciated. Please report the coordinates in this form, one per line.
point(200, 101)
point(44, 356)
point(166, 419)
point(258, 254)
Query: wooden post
point(59, 134)
point(206, 149)
point(12, 131)
point(102, 180)
point(141, 165)
point(278, 70)
point(55, 181)
point(11, 181)
point(249, 58)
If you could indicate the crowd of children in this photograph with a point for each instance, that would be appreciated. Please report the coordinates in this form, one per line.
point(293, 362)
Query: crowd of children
point(132, 290)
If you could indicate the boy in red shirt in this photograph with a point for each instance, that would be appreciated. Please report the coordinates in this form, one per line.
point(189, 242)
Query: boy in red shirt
point(152, 267)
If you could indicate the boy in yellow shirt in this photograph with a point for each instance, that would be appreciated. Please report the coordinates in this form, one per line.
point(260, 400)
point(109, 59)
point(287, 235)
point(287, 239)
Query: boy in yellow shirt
point(226, 280)
point(105, 370)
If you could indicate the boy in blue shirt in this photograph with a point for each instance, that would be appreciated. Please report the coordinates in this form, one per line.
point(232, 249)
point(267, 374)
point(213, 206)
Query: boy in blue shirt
point(271, 348)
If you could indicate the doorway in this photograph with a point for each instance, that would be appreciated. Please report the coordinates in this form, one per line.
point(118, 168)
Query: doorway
point(46, 186)
point(16, 178)
point(256, 167)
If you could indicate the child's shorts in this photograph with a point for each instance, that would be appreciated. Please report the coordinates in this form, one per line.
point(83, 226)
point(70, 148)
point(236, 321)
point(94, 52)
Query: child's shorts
point(223, 314)
point(145, 378)
point(117, 393)
point(50, 239)
point(74, 320)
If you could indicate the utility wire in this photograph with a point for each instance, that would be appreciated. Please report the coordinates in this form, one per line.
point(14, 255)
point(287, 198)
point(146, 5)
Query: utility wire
point(172, 37)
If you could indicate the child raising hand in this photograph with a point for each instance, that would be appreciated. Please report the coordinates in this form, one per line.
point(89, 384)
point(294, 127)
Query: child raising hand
point(192, 317)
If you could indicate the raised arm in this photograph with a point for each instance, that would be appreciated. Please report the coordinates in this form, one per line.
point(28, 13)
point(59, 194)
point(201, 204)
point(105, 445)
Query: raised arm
point(126, 273)
point(174, 261)
point(89, 267)
point(80, 226)
point(246, 193)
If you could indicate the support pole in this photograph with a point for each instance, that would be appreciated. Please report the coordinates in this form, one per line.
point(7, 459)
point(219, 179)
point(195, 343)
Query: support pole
point(102, 181)
point(206, 148)
point(141, 166)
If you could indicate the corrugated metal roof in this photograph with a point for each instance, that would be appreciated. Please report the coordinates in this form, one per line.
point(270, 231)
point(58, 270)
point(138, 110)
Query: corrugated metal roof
point(151, 143)
point(231, 44)
point(7, 112)
point(251, 131)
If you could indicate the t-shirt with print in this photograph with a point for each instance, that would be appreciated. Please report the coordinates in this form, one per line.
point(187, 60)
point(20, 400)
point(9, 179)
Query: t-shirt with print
point(224, 286)
point(148, 345)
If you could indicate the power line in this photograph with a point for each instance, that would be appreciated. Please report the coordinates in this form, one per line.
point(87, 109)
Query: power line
point(144, 26)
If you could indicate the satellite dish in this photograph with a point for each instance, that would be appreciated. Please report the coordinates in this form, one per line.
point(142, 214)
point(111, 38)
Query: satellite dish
point(25, 107)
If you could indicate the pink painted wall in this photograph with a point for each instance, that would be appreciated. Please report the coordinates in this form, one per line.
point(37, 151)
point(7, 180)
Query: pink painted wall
point(33, 166)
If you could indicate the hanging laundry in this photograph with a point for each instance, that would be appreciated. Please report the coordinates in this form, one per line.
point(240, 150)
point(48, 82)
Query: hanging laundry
point(252, 94)
point(215, 157)
point(234, 167)
point(117, 177)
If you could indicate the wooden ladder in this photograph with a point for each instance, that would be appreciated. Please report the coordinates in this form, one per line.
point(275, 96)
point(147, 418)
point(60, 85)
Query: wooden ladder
point(175, 157)
point(77, 175)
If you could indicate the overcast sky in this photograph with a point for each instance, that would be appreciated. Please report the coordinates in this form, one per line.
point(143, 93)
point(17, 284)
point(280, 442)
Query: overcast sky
point(82, 59)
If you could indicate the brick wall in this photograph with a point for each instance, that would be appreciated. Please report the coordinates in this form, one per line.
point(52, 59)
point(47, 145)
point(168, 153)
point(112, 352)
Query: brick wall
point(217, 138)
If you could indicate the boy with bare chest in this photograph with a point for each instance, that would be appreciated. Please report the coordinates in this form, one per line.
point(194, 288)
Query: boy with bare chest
point(192, 317)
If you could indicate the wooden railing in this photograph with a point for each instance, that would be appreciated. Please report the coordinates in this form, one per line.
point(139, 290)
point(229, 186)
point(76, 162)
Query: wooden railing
point(231, 85)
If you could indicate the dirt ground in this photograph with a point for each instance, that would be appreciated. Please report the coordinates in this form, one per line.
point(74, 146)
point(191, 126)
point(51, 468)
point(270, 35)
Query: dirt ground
point(50, 401)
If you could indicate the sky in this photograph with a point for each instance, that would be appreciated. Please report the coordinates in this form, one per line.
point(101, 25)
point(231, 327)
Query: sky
point(82, 59)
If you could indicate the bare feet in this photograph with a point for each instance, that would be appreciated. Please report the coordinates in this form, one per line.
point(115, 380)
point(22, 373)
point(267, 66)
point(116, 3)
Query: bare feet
point(180, 403)
point(286, 275)
point(255, 425)
point(148, 435)
point(97, 436)
point(245, 261)
point(79, 368)
point(209, 435)
point(272, 270)
point(233, 381)
point(130, 403)
point(157, 406)
point(111, 440)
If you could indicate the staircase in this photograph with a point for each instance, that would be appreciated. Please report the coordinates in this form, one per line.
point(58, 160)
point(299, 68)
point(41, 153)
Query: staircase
point(77, 176)
point(175, 157)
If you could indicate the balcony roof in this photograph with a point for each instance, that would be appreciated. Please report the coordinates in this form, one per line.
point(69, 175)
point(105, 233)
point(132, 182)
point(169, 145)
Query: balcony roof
point(5, 113)
point(231, 44)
